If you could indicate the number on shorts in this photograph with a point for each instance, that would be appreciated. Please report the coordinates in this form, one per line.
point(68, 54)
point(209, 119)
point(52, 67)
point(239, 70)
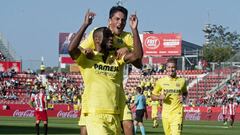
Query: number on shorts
point(180, 126)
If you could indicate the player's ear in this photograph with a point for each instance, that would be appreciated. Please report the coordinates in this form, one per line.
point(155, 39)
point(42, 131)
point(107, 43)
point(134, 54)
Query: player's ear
point(109, 22)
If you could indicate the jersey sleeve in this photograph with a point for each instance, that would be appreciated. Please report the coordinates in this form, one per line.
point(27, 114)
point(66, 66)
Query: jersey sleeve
point(79, 59)
point(157, 89)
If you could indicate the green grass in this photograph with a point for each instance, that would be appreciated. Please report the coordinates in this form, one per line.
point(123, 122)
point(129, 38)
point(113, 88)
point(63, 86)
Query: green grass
point(57, 126)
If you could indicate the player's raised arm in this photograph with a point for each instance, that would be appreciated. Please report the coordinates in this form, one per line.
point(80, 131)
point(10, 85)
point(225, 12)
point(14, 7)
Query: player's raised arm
point(73, 49)
point(135, 57)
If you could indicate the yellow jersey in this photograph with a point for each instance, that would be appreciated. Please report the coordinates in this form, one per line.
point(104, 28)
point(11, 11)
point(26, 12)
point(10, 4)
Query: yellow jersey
point(125, 39)
point(172, 88)
point(101, 93)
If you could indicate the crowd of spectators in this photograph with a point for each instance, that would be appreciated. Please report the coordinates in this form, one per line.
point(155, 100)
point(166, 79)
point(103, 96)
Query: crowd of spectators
point(220, 97)
point(6, 84)
point(146, 79)
point(60, 87)
point(67, 88)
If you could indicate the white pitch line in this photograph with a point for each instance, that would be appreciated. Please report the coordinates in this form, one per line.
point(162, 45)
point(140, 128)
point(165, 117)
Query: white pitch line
point(205, 126)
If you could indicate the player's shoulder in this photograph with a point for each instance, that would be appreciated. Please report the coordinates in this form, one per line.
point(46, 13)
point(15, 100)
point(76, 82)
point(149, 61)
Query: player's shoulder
point(125, 34)
point(157, 81)
point(88, 41)
point(182, 79)
point(163, 79)
point(81, 60)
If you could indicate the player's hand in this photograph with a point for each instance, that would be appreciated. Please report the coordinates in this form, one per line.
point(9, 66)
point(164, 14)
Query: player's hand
point(89, 16)
point(89, 53)
point(133, 21)
point(162, 96)
point(121, 52)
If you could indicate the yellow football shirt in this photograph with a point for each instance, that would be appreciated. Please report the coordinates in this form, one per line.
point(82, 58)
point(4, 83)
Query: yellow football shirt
point(123, 40)
point(172, 88)
point(101, 93)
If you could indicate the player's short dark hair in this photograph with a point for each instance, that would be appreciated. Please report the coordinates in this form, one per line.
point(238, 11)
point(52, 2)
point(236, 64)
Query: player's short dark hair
point(230, 99)
point(40, 86)
point(115, 9)
point(103, 30)
point(172, 60)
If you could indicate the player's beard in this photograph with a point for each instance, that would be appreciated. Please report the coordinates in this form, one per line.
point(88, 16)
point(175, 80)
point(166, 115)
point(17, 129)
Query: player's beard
point(172, 73)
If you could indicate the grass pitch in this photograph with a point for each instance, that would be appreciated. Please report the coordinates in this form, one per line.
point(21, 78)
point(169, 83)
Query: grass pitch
point(60, 126)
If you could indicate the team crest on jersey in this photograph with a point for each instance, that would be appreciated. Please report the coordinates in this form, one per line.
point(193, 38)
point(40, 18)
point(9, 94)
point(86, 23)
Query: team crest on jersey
point(177, 85)
point(110, 59)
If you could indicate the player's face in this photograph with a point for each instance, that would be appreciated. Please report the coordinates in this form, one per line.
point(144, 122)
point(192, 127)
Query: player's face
point(109, 43)
point(107, 40)
point(171, 69)
point(117, 23)
point(41, 90)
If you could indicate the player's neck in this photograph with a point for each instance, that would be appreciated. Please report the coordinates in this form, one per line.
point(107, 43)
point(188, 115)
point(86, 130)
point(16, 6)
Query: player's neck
point(172, 77)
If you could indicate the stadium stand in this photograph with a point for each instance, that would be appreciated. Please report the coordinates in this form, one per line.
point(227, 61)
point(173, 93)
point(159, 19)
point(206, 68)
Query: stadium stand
point(18, 88)
point(205, 88)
